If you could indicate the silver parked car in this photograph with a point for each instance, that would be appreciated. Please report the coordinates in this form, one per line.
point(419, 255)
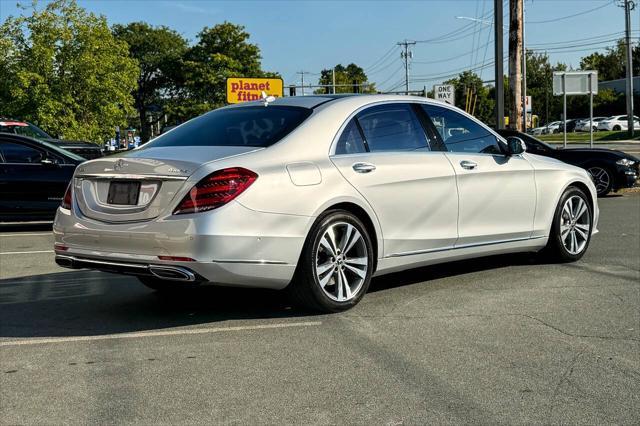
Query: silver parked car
point(318, 194)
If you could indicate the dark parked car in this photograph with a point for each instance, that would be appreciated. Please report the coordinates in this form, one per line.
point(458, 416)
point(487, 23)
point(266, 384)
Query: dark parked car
point(610, 170)
point(84, 149)
point(33, 178)
point(571, 126)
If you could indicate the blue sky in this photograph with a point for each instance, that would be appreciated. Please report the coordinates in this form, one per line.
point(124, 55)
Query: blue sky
point(312, 35)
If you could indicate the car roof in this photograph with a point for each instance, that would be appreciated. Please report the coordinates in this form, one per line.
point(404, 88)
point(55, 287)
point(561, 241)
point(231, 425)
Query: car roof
point(315, 101)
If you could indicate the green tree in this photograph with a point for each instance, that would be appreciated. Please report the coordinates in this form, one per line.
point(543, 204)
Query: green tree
point(221, 51)
point(611, 65)
point(474, 95)
point(348, 75)
point(63, 69)
point(159, 51)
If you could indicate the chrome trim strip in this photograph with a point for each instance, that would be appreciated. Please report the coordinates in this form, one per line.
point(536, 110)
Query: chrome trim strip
point(101, 262)
point(130, 176)
point(255, 262)
point(412, 253)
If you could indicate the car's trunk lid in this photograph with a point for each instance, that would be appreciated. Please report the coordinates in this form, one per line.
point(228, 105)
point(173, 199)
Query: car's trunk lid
point(140, 184)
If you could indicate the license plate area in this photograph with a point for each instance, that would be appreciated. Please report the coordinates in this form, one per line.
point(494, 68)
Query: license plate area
point(123, 193)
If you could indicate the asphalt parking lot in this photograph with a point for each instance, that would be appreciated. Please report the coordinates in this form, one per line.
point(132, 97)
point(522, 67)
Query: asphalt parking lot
point(499, 340)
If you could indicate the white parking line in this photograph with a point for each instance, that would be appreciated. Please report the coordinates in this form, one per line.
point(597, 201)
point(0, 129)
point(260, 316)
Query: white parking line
point(18, 234)
point(25, 342)
point(26, 252)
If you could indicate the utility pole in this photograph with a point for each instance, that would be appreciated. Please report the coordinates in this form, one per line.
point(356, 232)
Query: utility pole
point(515, 63)
point(497, 22)
point(524, 74)
point(406, 55)
point(333, 80)
point(302, 73)
point(629, 5)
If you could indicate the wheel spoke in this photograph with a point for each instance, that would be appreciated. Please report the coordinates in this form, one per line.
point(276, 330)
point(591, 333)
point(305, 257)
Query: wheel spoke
point(321, 269)
point(356, 261)
point(339, 285)
point(356, 271)
point(325, 280)
point(574, 241)
point(331, 236)
point(585, 228)
point(345, 238)
point(354, 239)
point(345, 283)
point(327, 246)
point(581, 233)
point(582, 208)
point(564, 231)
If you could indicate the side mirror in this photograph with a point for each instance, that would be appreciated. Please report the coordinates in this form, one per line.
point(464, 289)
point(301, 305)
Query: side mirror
point(515, 145)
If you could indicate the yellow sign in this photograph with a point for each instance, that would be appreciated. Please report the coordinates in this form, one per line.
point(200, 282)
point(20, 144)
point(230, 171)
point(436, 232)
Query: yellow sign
point(241, 89)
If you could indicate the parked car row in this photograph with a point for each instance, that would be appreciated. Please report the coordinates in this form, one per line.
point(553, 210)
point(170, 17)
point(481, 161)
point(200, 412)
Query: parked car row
point(614, 123)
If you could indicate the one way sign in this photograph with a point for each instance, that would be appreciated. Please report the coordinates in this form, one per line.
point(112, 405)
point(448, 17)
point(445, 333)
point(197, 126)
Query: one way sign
point(445, 92)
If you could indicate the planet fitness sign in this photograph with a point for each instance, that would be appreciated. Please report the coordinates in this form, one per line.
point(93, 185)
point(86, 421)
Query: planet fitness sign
point(241, 89)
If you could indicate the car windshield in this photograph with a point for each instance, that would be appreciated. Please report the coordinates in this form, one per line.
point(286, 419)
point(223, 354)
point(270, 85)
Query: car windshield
point(257, 126)
point(23, 129)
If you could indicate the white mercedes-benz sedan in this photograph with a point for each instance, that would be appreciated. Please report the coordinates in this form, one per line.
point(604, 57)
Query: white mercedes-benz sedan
point(318, 194)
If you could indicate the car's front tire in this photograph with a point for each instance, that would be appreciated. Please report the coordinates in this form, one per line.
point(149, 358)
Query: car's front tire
point(571, 227)
point(602, 179)
point(336, 264)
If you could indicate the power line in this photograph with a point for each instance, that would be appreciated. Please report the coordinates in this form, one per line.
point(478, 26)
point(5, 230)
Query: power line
point(572, 16)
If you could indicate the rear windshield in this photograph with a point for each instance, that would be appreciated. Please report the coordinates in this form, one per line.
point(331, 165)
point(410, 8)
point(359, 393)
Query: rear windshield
point(257, 126)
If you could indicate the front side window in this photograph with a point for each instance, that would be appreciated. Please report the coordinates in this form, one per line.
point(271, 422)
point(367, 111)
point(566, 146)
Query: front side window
point(461, 134)
point(257, 126)
point(392, 127)
point(18, 153)
point(350, 141)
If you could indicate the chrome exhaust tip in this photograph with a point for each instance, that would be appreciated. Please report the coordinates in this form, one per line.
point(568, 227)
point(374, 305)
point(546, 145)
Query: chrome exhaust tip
point(65, 261)
point(174, 273)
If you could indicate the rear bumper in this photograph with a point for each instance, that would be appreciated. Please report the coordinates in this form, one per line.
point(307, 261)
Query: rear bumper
point(232, 246)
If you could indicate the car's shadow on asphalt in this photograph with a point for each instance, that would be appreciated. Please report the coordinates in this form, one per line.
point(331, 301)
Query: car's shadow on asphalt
point(87, 303)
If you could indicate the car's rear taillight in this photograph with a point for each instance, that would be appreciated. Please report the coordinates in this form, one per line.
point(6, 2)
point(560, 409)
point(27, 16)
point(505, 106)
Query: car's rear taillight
point(216, 190)
point(66, 200)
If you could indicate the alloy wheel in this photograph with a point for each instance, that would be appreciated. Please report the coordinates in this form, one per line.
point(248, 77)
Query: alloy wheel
point(341, 261)
point(575, 224)
point(600, 178)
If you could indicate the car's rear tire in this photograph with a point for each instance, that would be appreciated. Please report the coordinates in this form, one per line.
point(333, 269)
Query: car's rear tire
point(336, 264)
point(602, 179)
point(617, 128)
point(571, 227)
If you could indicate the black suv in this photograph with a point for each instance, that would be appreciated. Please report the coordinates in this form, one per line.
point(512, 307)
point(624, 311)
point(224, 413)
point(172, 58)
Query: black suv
point(84, 149)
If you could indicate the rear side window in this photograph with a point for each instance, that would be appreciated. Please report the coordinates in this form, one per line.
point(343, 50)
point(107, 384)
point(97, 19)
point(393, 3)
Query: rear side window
point(461, 134)
point(350, 141)
point(257, 126)
point(392, 127)
point(18, 153)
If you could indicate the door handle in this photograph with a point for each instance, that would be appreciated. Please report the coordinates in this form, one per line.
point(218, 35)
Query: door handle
point(363, 167)
point(469, 165)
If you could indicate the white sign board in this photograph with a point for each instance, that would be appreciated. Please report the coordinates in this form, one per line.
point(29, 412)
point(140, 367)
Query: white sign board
point(575, 82)
point(528, 106)
point(445, 92)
